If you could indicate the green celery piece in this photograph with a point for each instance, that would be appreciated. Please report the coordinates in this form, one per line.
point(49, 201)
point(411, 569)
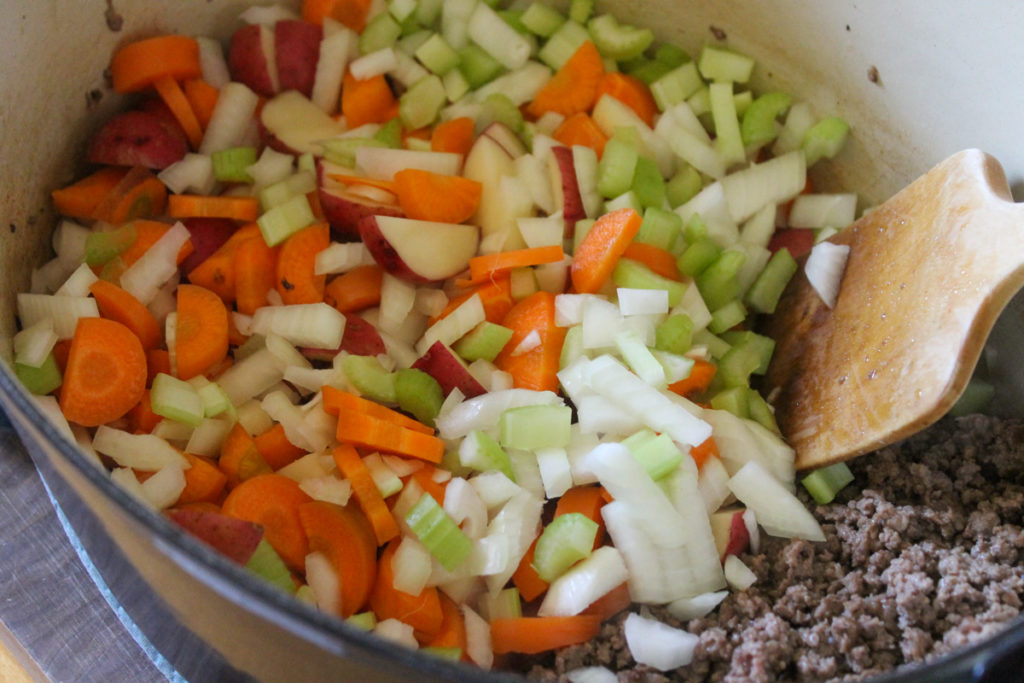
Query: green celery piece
point(763, 295)
point(761, 412)
point(695, 229)
point(581, 10)
point(758, 125)
point(824, 139)
point(562, 44)
point(542, 19)
point(736, 366)
point(762, 345)
point(617, 167)
point(721, 64)
point(342, 151)
point(676, 85)
point(229, 165)
point(478, 66)
point(498, 108)
point(437, 55)
point(572, 347)
point(531, 427)
point(683, 186)
point(674, 334)
point(656, 453)
point(640, 359)
point(42, 380)
point(284, 220)
point(478, 451)
point(382, 31)
point(698, 256)
point(419, 394)
point(451, 654)
point(716, 346)
point(583, 226)
point(364, 621)
point(634, 275)
point(266, 563)
point(566, 540)
point(626, 200)
point(717, 283)
point(660, 228)
point(419, 106)
point(671, 55)
point(438, 532)
point(485, 341)
point(824, 483)
point(390, 134)
point(618, 41)
point(733, 399)
point(176, 400)
point(370, 378)
point(648, 184)
point(103, 246)
point(648, 70)
point(727, 317)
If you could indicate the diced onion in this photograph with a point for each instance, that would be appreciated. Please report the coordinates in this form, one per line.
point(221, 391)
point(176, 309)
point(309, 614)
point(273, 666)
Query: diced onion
point(322, 578)
point(696, 607)
point(778, 511)
point(738, 574)
point(657, 644)
point(582, 584)
point(824, 268)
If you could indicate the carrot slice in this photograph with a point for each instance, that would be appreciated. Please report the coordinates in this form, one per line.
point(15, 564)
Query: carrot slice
point(255, 263)
point(454, 135)
point(240, 459)
point(601, 247)
point(430, 196)
point(139, 194)
point(175, 99)
point(105, 375)
point(425, 478)
point(366, 101)
point(336, 402)
point(537, 368)
point(699, 380)
point(703, 451)
point(138, 65)
point(488, 266)
point(147, 233)
point(202, 97)
point(532, 635)
point(367, 431)
point(657, 259)
point(452, 633)
point(275, 447)
point(348, 179)
point(355, 290)
point(141, 418)
point(632, 92)
point(81, 198)
point(273, 501)
point(366, 492)
point(201, 331)
point(423, 612)
point(217, 272)
point(204, 482)
point(344, 536)
point(206, 206)
point(573, 88)
point(157, 361)
point(611, 603)
point(580, 129)
point(526, 578)
point(296, 282)
point(117, 304)
point(351, 13)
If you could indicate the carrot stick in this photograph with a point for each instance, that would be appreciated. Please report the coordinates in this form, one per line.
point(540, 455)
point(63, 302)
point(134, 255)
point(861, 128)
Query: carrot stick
point(453, 627)
point(139, 194)
point(141, 418)
point(204, 482)
point(201, 332)
point(273, 501)
point(255, 263)
point(611, 603)
point(174, 97)
point(495, 295)
point(366, 492)
point(117, 304)
point(207, 206)
point(336, 402)
point(537, 368)
point(345, 537)
point(587, 501)
point(580, 129)
point(486, 267)
point(699, 380)
point(355, 290)
point(657, 259)
point(240, 459)
point(296, 282)
point(217, 272)
point(526, 578)
point(203, 99)
point(601, 247)
point(703, 451)
point(275, 447)
point(366, 101)
point(573, 88)
point(367, 431)
point(347, 179)
point(532, 635)
point(632, 92)
point(138, 65)
point(430, 196)
point(454, 135)
point(80, 199)
point(157, 361)
point(351, 13)
point(423, 612)
point(147, 233)
point(105, 375)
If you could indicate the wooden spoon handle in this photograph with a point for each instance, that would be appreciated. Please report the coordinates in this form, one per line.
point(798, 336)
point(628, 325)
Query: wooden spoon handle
point(928, 274)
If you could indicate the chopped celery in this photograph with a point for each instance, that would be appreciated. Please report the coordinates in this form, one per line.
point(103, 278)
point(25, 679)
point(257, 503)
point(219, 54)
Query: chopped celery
point(572, 347)
point(505, 604)
point(736, 366)
point(698, 256)
point(437, 55)
point(231, 164)
point(763, 295)
point(580, 10)
point(176, 400)
point(763, 346)
point(726, 317)
point(715, 345)
point(728, 140)
point(452, 654)
point(364, 621)
point(101, 247)
point(455, 85)
point(583, 226)
point(634, 275)
point(720, 64)
point(758, 126)
point(977, 395)
point(626, 200)
point(383, 476)
point(566, 540)
point(485, 341)
point(410, 42)
point(342, 151)
point(419, 394)
point(401, 10)
point(648, 185)
point(438, 532)
point(676, 86)
point(563, 44)
point(266, 563)
point(683, 186)
point(498, 108)
point(284, 220)
point(717, 283)
point(761, 412)
point(532, 427)
point(733, 400)
point(503, 41)
point(542, 19)
point(478, 66)
point(382, 31)
point(695, 229)
point(215, 400)
point(40, 380)
point(370, 378)
point(617, 167)
point(674, 334)
point(671, 55)
point(480, 452)
point(660, 228)
point(640, 359)
point(824, 139)
point(618, 41)
point(824, 483)
point(648, 70)
point(420, 104)
point(302, 183)
point(390, 134)
point(656, 453)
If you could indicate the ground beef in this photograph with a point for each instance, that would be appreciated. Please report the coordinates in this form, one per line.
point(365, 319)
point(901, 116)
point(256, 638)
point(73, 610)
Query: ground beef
point(924, 554)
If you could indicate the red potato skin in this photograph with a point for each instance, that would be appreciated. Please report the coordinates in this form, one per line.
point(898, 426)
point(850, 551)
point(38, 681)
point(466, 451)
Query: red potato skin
point(246, 60)
point(572, 202)
point(798, 241)
point(441, 363)
point(345, 211)
point(207, 236)
point(137, 138)
point(739, 537)
point(385, 254)
point(360, 339)
point(297, 51)
point(235, 538)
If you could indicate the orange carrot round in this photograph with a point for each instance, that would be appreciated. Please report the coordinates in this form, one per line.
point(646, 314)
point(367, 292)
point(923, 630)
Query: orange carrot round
point(80, 199)
point(273, 501)
point(255, 263)
point(604, 243)
point(423, 612)
point(344, 535)
point(573, 88)
point(203, 206)
point(139, 194)
point(580, 129)
point(137, 65)
point(537, 368)
point(105, 375)
point(454, 135)
point(201, 331)
point(296, 282)
point(657, 259)
point(355, 290)
point(204, 482)
point(275, 447)
point(117, 304)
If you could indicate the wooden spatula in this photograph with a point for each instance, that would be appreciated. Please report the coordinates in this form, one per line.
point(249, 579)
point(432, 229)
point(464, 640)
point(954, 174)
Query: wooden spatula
point(928, 273)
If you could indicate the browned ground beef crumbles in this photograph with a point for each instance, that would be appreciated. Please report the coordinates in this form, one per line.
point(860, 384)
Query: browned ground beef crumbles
point(924, 554)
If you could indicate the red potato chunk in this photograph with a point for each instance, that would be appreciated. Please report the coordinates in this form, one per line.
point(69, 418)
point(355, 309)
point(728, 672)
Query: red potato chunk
point(137, 138)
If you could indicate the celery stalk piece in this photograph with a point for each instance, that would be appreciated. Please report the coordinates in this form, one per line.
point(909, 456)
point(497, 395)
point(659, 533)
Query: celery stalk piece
point(717, 283)
point(436, 530)
point(286, 219)
point(101, 247)
point(504, 43)
point(480, 452)
point(648, 185)
point(639, 359)
point(563, 44)
point(390, 134)
point(824, 139)
point(485, 341)
point(716, 346)
point(660, 228)
point(277, 193)
point(451, 654)
point(581, 10)
point(733, 400)
point(572, 347)
point(505, 604)
point(364, 621)
point(671, 55)
point(727, 316)
point(728, 140)
point(656, 453)
point(231, 164)
point(420, 104)
point(683, 186)
point(370, 378)
point(824, 483)
point(455, 85)
point(761, 345)
point(542, 19)
point(477, 66)
point(40, 380)
point(634, 275)
point(676, 86)
point(617, 167)
point(763, 295)
point(419, 394)
point(532, 427)
point(647, 70)
point(738, 363)
point(758, 126)
point(618, 41)
point(761, 412)
point(566, 540)
point(382, 31)
point(342, 151)
point(720, 64)
point(437, 55)
point(674, 334)
point(266, 563)
point(215, 400)
point(176, 400)
point(698, 256)
point(498, 108)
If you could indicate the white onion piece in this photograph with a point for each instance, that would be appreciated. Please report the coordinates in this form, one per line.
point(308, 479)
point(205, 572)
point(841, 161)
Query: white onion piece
point(33, 344)
point(776, 180)
point(397, 632)
point(335, 48)
point(642, 301)
point(144, 452)
point(328, 488)
point(229, 124)
point(212, 62)
point(824, 268)
point(267, 14)
point(282, 410)
point(406, 70)
point(251, 376)
point(374, 64)
point(527, 471)
point(750, 521)
point(342, 257)
point(64, 311)
point(317, 325)
point(712, 206)
point(273, 167)
point(464, 505)
point(696, 607)
point(163, 488)
point(206, 439)
point(823, 210)
point(126, 479)
point(191, 173)
point(569, 308)
point(592, 674)
point(323, 580)
point(494, 488)
point(453, 326)
point(738, 575)
point(518, 521)
point(657, 644)
point(478, 639)
point(602, 321)
point(585, 582)
point(701, 552)
point(713, 484)
point(156, 266)
point(78, 282)
point(411, 566)
point(778, 511)
point(555, 471)
point(585, 161)
point(396, 302)
point(309, 466)
point(383, 162)
point(483, 412)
